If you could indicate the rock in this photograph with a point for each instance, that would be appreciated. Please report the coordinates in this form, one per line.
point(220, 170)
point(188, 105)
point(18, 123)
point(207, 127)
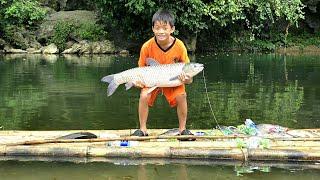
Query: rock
point(107, 47)
point(104, 47)
point(2, 43)
point(19, 40)
point(124, 52)
point(96, 48)
point(73, 50)
point(35, 44)
point(50, 49)
point(85, 47)
point(33, 51)
point(69, 44)
point(13, 50)
point(311, 48)
point(46, 29)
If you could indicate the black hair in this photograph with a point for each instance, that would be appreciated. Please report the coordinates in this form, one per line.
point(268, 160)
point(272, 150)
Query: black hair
point(163, 15)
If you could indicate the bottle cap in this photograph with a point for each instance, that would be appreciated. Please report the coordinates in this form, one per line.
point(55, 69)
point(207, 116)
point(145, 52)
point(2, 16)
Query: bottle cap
point(124, 143)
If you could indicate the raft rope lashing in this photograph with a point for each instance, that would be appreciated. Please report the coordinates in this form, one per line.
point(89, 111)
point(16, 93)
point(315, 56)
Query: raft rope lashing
point(208, 99)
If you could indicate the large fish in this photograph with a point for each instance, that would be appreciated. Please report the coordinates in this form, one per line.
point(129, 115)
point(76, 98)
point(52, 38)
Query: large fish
point(154, 75)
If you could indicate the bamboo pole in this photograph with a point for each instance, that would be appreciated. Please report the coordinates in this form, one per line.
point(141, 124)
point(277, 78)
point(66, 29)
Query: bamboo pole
point(135, 138)
point(126, 138)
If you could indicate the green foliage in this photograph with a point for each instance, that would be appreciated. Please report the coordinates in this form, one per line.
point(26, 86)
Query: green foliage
point(14, 37)
point(194, 16)
point(261, 45)
point(134, 16)
point(303, 39)
point(189, 14)
point(90, 31)
point(62, 31)
point(25, 12)
point(254, 12)
point(19, 13)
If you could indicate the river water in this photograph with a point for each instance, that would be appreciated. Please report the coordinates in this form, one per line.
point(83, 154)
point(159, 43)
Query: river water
point(64, 92)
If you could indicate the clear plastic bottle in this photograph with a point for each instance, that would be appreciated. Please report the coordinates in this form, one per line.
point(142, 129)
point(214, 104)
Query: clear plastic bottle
point(249, 123)
point(252, 127)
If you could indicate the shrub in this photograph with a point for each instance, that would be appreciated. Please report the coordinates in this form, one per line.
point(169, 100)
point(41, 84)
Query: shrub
point(25, 12)
point(90, 31)
point(62, 31)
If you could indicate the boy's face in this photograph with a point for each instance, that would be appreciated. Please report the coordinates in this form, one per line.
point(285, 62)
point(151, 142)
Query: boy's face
point(162, 31)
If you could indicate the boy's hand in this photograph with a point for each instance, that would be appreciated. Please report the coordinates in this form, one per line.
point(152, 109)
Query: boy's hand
point(185, 78)
point(139, 84)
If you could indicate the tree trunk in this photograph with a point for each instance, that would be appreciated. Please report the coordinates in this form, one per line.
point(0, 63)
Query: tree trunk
point(190, 41)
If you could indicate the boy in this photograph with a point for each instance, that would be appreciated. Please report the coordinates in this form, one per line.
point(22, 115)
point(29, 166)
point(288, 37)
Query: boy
point(166, 49)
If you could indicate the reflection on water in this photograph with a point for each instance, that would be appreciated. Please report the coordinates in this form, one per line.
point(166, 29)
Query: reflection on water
point(45, 92)
point(145, 169)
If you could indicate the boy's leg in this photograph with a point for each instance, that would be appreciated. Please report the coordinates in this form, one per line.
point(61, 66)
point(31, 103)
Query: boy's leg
point(143, 110)
point(182, 111)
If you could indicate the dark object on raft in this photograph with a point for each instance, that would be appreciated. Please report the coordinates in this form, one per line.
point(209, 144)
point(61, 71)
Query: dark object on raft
point(79, 135)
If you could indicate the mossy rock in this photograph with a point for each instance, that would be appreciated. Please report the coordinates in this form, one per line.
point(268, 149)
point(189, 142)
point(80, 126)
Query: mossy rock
point(46, 29)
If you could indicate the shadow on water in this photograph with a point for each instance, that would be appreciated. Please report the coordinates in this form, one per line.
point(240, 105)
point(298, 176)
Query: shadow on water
point(143, 169)
point(51, 92)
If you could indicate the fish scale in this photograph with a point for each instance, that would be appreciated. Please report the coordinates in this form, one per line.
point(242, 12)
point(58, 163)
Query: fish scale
point(155, 75)
point(150, 75)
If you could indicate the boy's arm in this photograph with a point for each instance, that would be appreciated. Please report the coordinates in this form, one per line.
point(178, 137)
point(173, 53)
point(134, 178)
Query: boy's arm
point(183, 77)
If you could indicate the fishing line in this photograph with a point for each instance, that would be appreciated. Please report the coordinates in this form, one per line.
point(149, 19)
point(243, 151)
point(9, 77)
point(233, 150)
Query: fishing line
point(207, 94)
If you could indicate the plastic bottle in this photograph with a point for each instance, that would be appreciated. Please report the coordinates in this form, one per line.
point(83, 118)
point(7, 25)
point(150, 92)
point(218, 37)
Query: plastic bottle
point(251, 126)
point(124, 143)
point(249, 123)
point(253, 142)
point(199, 133)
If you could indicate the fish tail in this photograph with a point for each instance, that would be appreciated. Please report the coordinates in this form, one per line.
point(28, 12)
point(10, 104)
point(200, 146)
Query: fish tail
point(112, 85)
point(112, 88)
point(108, 79)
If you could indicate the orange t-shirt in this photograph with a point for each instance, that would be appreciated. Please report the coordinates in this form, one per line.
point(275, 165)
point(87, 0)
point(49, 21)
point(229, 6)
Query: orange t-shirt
point(177, 52)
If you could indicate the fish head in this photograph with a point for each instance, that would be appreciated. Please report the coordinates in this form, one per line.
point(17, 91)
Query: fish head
point(192, 69)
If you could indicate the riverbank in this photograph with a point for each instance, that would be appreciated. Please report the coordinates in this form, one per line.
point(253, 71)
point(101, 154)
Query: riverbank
point(52, 50)
point(78, 32)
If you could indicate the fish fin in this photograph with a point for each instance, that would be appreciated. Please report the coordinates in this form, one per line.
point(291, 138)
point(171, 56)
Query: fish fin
point(129, 85)
point(112, 85)
point(108, 79)
point(174, 78)
point(152, 62)
point(112, 88)
point(151, 89)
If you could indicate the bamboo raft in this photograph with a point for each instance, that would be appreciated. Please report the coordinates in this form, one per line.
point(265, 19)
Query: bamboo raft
point(210, 147)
